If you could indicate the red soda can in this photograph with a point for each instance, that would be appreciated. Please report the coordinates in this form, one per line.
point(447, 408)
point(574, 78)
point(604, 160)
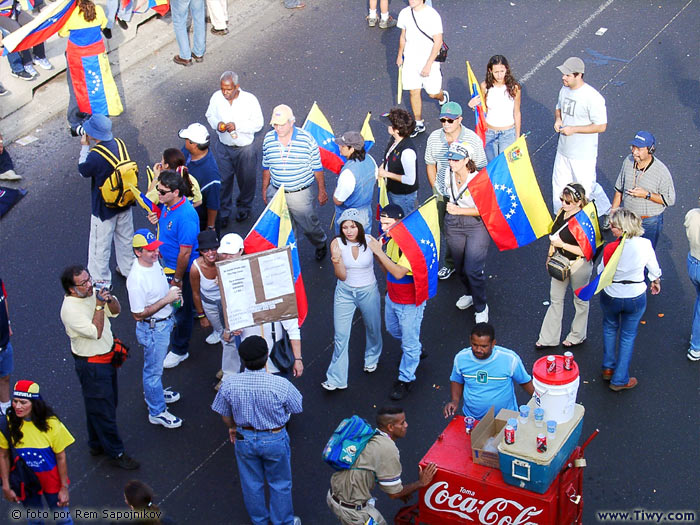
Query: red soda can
point(509, 433)
point(551, 364)
point(469, 424)
point(568, 360)
point(541, 443)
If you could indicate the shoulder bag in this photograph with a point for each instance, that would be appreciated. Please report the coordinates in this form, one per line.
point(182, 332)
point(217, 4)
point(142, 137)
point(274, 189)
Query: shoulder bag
point(442, 54)
point(281, 354)
point(558, 265)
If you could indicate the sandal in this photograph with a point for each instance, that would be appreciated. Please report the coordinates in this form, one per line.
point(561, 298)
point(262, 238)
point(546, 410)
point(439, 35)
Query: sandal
point(539, 346)
point(569, 344)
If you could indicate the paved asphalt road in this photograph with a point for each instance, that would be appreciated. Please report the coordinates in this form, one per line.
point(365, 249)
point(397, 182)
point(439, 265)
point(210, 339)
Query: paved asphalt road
point(645, 65)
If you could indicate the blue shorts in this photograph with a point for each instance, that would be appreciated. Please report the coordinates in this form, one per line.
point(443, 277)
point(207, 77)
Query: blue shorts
point(7, 363)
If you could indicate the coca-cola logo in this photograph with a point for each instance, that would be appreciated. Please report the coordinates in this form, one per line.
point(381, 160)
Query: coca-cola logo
point(465, 504)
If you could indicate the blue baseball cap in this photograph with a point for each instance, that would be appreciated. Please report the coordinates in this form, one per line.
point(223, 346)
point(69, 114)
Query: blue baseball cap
point(643, 139)
point(144, 238)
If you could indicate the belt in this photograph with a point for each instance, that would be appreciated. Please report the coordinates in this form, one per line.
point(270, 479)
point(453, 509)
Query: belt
point(293, 191)
point(649, 216)
point(155, 320)
point(100, 359)
point(271, 431)
point(347, 505)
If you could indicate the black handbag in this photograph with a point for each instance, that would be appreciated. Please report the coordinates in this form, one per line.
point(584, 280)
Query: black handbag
point(559, 267)
point(23, 480)
point(281, 354)
point(442, 54)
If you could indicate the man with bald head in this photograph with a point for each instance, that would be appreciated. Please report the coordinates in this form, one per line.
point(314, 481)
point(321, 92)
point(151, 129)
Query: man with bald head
point(236, 116)
point(291, 158)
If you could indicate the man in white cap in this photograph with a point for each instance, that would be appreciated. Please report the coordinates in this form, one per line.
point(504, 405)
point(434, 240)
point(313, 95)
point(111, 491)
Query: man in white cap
point(291, 158)
point(580, 115)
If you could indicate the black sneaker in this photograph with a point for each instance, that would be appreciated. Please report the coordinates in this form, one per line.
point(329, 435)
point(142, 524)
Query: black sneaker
point(321, 252)
point(97, 451)
point(400, 390)
point(22, 74)
point(125, 462)
point(107, 32)
point(122, 24)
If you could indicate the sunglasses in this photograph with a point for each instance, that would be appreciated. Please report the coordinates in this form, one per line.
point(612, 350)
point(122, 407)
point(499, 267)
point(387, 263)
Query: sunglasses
point(448, 120)
point(163, 192)
point(205, 250)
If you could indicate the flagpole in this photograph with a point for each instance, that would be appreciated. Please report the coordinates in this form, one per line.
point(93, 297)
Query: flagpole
point(281, 188)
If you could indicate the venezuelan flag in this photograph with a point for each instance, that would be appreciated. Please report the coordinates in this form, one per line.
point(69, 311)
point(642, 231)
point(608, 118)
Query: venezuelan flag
point(159, 6)
point(418, 237)
point(146, 203)
point(366, 132)
point(611, 257)
point(480, 110)
point(91, 76)
point(44, 25)
point(584, 228)
point(383, 199)
point(273, 229)
point(317, 124)
point(27, 5)
point(509, 199)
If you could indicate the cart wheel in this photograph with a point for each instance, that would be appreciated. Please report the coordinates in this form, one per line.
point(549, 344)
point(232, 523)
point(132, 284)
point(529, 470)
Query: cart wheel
point(406, 515)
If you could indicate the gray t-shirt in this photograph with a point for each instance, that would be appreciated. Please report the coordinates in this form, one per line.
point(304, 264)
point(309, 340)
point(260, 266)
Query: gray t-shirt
point(655, 178)
point(580, 107)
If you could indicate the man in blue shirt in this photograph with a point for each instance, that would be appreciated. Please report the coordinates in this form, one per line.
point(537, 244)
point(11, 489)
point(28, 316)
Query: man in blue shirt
point(178, 226)
point(255, 406)
point(488, 371)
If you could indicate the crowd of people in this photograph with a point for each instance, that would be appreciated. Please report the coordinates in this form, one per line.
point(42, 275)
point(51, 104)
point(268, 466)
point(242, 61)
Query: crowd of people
point(171, 275)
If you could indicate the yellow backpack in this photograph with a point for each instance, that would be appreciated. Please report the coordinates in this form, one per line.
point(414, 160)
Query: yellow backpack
point(115, 190)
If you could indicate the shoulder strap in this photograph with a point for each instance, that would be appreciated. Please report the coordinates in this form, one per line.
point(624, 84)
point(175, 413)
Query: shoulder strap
point(5, 429)
point(106, 154)
point(418, 27)
point(123, 154)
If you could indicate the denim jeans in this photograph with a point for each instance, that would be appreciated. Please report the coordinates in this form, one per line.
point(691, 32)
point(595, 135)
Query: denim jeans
point(155, 342)
point(347, 299)
point(403, 322)
point(694, 274)
point(261, 457)
point(652, 228)
point(468, 242)
point(114, 9)
point(180, 10)
point(620, 315)
point(62, 514)
point(408, 201)
point(498, 141)
point(180, 338)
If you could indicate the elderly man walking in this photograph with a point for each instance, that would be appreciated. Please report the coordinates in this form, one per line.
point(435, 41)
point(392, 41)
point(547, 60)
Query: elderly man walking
point(236, 116)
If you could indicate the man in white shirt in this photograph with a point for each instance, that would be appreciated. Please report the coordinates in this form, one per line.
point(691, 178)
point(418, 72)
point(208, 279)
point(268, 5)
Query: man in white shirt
point(420, 42)
point(579, 116)
point(236, 116)
point(150, 299)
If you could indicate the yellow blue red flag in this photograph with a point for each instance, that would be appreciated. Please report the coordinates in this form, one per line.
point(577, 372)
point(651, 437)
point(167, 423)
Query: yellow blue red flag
point(509, 199)
point(611, 257)
point(584, 227)
point(480, 110)
point(45, 24)
point(366, 132)
point(146, 203)
point(317, 124)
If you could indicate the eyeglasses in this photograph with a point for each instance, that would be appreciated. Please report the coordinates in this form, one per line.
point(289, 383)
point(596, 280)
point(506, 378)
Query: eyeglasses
point(85, 282)
point(448, 120)
point(164, 192)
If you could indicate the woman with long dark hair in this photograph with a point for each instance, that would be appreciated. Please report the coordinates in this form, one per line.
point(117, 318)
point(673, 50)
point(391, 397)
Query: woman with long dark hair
point(502, 93)
point(174, 159)
point(36, 435)
point(400, 166)
point(353, 263)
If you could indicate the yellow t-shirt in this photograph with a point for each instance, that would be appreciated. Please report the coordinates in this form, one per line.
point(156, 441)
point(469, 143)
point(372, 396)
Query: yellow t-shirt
point(76, 314)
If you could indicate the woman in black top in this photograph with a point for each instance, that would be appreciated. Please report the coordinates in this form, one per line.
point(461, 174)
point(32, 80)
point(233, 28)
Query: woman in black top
point(573, 199)
point(400, 166)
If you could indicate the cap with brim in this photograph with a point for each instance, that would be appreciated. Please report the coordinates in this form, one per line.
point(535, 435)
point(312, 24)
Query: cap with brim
point(459, 151)
point(572, 65)
point(281, 115)
point(26, 389)
point(351, 214)
point(207, 240)
point(352, 139)
point(99, 127)
point(196, 133)
point(231, 244)
point(393, 211)
point(144, 238)
point(643, 139)
point(252, 347)
point(451, 110)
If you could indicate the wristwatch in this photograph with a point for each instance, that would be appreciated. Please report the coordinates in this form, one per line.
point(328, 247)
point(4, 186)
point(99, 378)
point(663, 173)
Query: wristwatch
point(648, 197)
point(99, 308)
point(177, 280)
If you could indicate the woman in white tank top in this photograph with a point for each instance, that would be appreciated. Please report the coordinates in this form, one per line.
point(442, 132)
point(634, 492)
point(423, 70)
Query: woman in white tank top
point(353, 263)
point(502, 93)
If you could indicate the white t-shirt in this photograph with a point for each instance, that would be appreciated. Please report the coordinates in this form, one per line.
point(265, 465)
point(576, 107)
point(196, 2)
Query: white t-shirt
point(345, 186)
point(418, 46)
point(637, 254)
point(580, 107)
point(147, 286)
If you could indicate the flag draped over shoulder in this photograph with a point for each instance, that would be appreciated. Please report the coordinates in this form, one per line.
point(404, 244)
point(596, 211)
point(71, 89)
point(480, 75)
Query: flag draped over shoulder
point(611, 257)
point(584, 227)
point(45, 24)
point(317, 124)
point(146, 203)
point(366, 132)
point(509, 199)
point(273, 229)
point(418, 237)
point(480, 110)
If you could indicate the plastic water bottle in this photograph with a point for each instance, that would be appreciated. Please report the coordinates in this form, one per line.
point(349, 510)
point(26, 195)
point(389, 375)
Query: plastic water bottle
point(551, 429)
point(539, 417)
point(513, 422)
point(524, 414)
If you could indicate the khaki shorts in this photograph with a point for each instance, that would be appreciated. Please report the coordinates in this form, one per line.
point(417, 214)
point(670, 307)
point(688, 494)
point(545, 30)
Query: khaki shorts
point(354, 517)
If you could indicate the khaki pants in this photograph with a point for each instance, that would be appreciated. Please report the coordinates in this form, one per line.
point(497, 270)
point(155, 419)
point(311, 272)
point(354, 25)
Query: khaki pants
point(354, 517)
point(550, 333)
point(120, 229)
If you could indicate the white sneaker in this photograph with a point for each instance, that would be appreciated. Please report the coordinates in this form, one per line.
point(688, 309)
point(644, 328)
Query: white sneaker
point(464, 302)
point(482, 317)
point(297, 520)
point(170, 396)
point(166, 419)
point(445, 272)
point(213, 338)
point(371, 368)
point(29, 68)
point(43, 63)
point(328, 386)
point(693, 355)
point(445, 98)
point(173, 359)
point(420, 128)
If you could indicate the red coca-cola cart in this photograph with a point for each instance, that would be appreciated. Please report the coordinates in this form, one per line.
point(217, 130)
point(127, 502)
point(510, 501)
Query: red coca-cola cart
point(465, 492)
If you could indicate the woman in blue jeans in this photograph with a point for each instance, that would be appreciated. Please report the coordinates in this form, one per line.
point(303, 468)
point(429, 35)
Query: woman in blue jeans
point(353, 263)
point(502, 93)
point(624, 301)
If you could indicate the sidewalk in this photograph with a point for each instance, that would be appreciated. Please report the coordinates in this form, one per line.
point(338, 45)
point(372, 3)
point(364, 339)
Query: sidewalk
point(29, 104)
